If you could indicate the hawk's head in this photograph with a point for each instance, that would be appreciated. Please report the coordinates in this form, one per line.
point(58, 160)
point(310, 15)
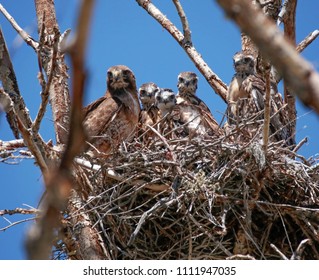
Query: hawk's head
point(120, 77)
point(165, 100)
point(244, 63)
point(147, 94)
point(187, 83)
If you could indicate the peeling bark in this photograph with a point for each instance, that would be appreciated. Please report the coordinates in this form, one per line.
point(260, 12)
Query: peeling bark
point(59, 91)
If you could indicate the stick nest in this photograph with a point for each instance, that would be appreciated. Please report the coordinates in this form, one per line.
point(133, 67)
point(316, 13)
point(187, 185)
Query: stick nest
point(204, 199)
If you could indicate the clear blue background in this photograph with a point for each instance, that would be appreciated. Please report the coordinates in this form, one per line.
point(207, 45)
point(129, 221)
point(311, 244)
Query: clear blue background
point(123, 33)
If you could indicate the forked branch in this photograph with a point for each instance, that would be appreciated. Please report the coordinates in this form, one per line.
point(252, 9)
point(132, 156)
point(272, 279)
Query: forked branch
point(24, 35)
point(215, 82)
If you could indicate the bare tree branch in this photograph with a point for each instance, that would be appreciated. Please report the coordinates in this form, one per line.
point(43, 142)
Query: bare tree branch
point(285, 11)
point(267, 107)
point(33, 147)
point(47, 85)
point(24, 35)
point(6, 105)
point(19, 211)
point(16, 223)
point(18, 117)
point(307, 41)
point(290, 32)
point(185, 24)
point(11, 145)
point(300, 144)
point(215, 82)
point(59, 91)
point(299, 74)
point(60, 181)
point(10, 85)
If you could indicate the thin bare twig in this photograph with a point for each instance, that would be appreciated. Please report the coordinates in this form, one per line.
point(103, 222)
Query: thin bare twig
point(307, 41)
point(185, 24)
point(45, 93)
point(10, 84)
point(300, 144)
point(16, 223)
point(19, 118)
point(215, 82)
point(7, 105)
point(27, 136)
point(267, 107)
point(279, 252)
point(289, 21)
point(302, 246)
point(24, 35)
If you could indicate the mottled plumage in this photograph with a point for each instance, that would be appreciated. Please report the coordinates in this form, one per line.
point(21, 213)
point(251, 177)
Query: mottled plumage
point(113, 118)
point(149, 113)
point(191, 110)
point(245, 97)
point(166, 102)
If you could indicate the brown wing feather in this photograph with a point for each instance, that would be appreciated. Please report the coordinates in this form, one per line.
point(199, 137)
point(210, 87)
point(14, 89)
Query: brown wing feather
point(99, 114)
point(196, 116)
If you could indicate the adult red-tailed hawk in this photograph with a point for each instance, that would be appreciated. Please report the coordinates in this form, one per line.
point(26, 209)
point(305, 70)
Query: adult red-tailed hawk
point(192, 111)
point(113, 118)
point(246, 94)
point(149, 113)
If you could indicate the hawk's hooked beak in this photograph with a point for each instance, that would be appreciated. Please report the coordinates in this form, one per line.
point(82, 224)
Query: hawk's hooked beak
point(117, 76)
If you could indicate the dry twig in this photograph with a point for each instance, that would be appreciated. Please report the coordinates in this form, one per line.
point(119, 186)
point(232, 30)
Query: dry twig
point(185, 24)
point(307, 41)
point(24, 35)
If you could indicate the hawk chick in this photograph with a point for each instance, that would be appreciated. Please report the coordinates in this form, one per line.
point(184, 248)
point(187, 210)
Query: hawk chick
point(192, 111)
point(149, 114)
point(245, 97)
point(165, 101)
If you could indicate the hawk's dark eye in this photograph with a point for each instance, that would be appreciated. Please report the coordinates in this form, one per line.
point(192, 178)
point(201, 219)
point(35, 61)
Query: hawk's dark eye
point(126, 73)
point(181, 80)
point(142, 92)
point(247, 59)
point(110, 75)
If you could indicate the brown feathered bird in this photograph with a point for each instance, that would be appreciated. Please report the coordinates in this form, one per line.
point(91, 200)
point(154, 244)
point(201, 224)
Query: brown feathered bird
point(192, 111)
point(149, 113)
point(113, 118)
point(246, 98)
point(166, 102)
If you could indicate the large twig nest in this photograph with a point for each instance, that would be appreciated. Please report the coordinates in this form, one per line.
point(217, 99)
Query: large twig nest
point(204, 199)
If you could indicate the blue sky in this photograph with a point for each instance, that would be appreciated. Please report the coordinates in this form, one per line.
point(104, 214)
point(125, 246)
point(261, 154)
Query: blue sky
point(123, 33)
